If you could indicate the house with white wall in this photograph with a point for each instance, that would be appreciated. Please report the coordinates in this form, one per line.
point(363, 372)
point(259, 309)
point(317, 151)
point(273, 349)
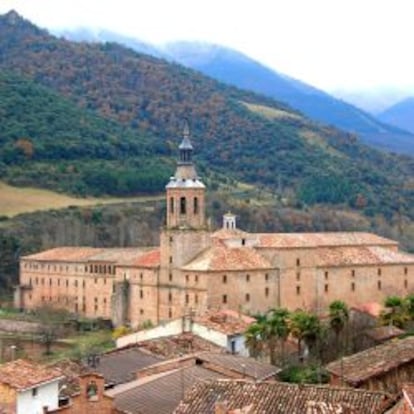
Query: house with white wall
point(26, 387)
point(224, 328)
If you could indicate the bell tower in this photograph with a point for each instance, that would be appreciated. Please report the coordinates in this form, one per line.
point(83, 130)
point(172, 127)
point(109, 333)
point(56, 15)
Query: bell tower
point(184, 236)
point(185, 191)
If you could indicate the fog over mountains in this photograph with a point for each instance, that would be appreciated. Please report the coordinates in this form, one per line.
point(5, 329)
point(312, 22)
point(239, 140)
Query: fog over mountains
point(232, 67)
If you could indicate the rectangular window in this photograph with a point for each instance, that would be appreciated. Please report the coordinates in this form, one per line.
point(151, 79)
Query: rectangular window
point(170, 313)
point(247, 297)
point(247, 278)
point(224, 298)
point(266, 277)
point(141, 294)
point(353, 287)
point(187, 299)
point(379, 284)
point(171, 205)
point(224, 278)
point(170, 278)
point(379, 272)
point(34, 392)
point(326, 288)
point(405, 271)
point(196, 278)
point(50, 281)
point(267, 292)
point(183, 209)
point(297, 262)
point(326, 275)
point(353, 273)
point(196, 298)
point(298, 290)
point(187, 278)
point(169, 297)
point(298, 275)
point(195, 205)
point(406, 283)
point(171, 259)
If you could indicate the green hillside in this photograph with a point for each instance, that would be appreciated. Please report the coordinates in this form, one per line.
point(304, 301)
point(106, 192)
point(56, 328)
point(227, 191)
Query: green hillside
point(140, 101)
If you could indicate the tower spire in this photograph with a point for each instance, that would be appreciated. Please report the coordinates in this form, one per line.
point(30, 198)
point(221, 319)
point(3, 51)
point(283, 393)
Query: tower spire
point(186, 148)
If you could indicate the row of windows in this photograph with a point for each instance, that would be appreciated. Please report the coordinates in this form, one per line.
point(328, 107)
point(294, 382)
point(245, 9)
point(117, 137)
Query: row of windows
point(353, 286)
point(103, 269)
point(183, 205)
point(247, 278)
point(379, 273)
point(65, 282)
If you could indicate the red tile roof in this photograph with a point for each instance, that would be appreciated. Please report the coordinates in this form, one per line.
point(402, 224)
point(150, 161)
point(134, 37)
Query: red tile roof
point(362, 255)
point(126, 255)
point(301, 240)
point(22, 375)
point(373, 362)
point(148, 259)
point(220, 257)
point(230, 234)
point(279, 398)
point(226, 321)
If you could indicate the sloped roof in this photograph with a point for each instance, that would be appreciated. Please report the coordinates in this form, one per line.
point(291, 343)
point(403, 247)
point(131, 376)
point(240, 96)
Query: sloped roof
point(362, 255)
point(303, 240)
point(120, 365)
point(220, 257)
point(159, 393)
point(227, 321)
point(230, 234)
point(123, 255)
point(150, 258)
point(279, 398)
point(23, 375)
point(375, 361)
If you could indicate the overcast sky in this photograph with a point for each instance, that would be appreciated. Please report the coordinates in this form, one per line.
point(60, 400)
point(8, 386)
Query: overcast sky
point(331, 44)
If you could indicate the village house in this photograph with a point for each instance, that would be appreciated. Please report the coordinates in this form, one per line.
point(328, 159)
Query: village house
point(224, 328)
point(26, 387)
point(160, 387)
point(195, 269)
point(246, 397)
point(385, 367)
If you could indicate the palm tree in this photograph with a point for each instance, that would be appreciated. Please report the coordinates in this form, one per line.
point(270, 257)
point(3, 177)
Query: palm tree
point(254, 336)
point(305, 327)
point(277, 329)
point(338, 318)
point(396, 313)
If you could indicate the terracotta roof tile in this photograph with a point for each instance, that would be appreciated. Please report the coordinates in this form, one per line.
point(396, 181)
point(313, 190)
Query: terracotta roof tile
point(148, 259)
point(124, 255)
point(301, 240)
point(371, 308)
point(362, 255)
point(375, 361)
point(22, 375)
point(220, 257)
point(226, 321)
point(230, 234)
point(279, 398)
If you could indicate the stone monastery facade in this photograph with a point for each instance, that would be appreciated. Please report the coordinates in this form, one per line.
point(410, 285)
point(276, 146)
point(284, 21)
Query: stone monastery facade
point(195, 269)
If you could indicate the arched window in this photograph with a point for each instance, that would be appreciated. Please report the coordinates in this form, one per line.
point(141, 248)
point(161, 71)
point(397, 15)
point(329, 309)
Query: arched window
point(183, 207)
point(195, 205)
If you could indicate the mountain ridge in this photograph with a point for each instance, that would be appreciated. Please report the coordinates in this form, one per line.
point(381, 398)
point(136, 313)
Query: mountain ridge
point(150, 97)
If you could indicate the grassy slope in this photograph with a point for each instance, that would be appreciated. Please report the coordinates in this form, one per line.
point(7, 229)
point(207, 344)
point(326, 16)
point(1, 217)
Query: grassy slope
point(18, 200)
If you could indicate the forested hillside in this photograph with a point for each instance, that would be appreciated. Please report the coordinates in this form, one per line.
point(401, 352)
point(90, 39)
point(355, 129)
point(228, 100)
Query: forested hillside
point(134, 105)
